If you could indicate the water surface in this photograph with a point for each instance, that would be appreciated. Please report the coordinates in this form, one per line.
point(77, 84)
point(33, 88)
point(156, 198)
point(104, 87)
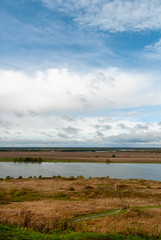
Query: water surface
point(113, 170)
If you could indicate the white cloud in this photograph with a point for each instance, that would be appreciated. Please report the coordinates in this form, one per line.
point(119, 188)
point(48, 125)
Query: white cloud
point(155, 46)
point(57, 105)
point(153, 51)
point(61, 91)
point(82, 131)
point(115, 15)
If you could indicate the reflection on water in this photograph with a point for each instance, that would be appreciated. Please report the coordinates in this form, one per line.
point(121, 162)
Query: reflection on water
point(117, 170)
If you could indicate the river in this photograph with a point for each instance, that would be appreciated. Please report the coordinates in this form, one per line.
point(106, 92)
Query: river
point(113, 170)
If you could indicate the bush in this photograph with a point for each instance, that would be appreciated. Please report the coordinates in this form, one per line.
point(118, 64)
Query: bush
point(71, 188)
point(8, 177)
point(108, 161)
point(28, 159)
point(71, 178)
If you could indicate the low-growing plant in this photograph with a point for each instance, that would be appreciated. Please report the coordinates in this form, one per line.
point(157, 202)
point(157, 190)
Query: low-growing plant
point(71, 178)
point(108, 161)
point(29, 159)
point(20, 177)
point(81, 177)
point(26, 217)
point(71, 189)
point(61, 196)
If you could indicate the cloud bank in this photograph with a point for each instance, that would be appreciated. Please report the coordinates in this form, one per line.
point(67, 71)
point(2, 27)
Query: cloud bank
point(61, 91)
point(58, 107)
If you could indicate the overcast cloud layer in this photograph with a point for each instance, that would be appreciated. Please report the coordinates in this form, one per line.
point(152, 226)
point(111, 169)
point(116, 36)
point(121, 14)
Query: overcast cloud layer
point(80, 73)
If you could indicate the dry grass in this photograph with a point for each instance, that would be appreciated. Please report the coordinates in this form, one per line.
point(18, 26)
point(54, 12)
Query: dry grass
point(41, 203)
point(146, 222)
point(135, 156)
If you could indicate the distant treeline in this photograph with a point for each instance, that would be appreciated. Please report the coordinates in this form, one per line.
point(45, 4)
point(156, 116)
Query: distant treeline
point(29, 159)
point(77, 149)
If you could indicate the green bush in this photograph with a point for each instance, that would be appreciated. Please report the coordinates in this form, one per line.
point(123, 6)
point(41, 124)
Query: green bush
point(108, 161)
point(28, 159)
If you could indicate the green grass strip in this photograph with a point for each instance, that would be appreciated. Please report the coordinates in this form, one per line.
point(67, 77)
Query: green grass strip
point(21, 233)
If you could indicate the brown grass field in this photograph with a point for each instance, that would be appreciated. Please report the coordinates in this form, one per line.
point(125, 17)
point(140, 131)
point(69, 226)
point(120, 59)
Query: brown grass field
point(120, 157)
point(50, 203)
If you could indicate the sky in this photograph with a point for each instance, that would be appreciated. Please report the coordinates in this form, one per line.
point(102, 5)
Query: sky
point(83, 73)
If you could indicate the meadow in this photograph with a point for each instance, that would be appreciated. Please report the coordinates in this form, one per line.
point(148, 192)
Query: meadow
point(55, 208)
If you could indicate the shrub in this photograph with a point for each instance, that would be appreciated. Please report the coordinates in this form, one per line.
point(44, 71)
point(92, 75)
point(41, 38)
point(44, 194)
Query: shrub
point(28, 159)
point(71, 178)
point(81, 177)
point(108, 161)
point(71, 189)
point(8, 177)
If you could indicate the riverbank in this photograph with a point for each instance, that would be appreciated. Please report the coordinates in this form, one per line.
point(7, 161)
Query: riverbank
point(148, 161)
point(55, 204)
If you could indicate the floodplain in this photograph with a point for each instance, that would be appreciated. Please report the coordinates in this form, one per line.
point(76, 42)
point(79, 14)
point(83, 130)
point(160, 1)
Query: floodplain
point(113, 156)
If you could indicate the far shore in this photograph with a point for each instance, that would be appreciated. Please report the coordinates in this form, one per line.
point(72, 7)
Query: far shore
point(85, 157)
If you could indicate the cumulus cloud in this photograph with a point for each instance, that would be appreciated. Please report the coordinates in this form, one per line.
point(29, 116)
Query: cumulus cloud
point(62, 91)
point(115, 15)
point(5, 124)
point(56, 106)
point(82, 131)
point(70, 130)
point(141, 127)
point(122, 126)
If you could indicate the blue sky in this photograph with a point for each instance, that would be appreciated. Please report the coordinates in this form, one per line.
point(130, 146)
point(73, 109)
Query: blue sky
point(80, 73)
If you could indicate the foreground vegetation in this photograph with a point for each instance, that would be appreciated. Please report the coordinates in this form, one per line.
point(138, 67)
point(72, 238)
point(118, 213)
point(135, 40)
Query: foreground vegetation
point(56, 208)
point(21, 233)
